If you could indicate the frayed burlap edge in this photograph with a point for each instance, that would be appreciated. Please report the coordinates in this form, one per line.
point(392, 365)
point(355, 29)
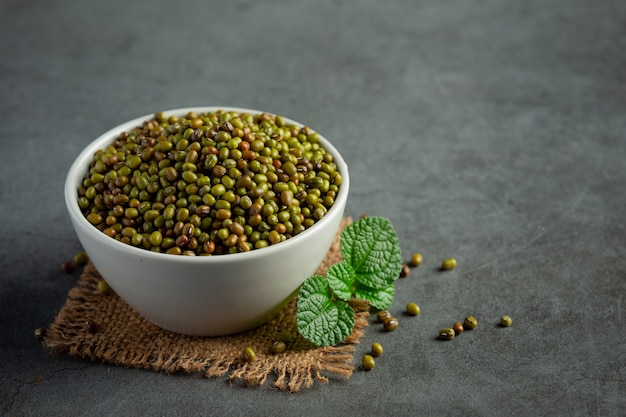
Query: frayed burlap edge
point(102, 327)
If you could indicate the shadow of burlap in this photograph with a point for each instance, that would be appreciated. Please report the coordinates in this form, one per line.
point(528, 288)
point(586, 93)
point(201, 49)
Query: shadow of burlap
point(102, 327)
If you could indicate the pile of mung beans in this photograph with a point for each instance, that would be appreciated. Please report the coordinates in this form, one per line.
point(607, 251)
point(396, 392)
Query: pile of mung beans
point(210, 183)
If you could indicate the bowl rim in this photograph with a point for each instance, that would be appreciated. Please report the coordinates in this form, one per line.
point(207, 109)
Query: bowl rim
point(79, 165)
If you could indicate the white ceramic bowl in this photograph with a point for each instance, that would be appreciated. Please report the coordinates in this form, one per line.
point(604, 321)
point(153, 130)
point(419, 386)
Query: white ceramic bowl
point(204, 295)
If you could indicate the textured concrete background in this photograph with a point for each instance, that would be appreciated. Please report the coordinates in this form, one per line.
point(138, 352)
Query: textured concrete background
point(490, 131)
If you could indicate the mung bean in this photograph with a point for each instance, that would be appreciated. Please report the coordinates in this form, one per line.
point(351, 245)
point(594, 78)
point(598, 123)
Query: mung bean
point(383, 315)
point(405, 271)
point(470, 323)
point(278, 347)
point(249, 355)
point(377, 349)
point(257, 170)
point(413, 309)
point(446, 333)
point(40, 333)
point(448, 264)
point(368, 362)
point(390, 324)
point(416, 259)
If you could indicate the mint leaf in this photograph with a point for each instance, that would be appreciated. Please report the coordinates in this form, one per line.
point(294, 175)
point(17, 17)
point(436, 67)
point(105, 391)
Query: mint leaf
point(340, 277)
point(370, 245)
point(371, 263)
point(380, 299)
point(320, 318)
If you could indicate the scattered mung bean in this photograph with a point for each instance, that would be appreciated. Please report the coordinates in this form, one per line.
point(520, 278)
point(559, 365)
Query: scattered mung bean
point(470, 323)
point(383, 315)
point(405, 271)
point(40, 333)
point(416, 259)
point(103, 287)
point(390, 324)
point(446, 333)
point(377, 349)
point(67, 267)
point(249, 354)
point(448, 264)
point(505, 321)
point(413, 309)
point(278, 347)
point(368, 362)
point(81, 258)
point(91, 327)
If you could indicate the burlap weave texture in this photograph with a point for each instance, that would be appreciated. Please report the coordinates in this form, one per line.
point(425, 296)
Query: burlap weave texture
point(102, 327)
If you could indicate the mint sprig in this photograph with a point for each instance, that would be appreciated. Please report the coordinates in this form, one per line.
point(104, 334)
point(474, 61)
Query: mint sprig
point(371, 263)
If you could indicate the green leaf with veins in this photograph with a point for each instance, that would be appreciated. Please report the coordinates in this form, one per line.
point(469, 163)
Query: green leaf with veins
point(321, 318)
point(371, 263)
point(341, 277)
point(380, 299)
point(370, 245)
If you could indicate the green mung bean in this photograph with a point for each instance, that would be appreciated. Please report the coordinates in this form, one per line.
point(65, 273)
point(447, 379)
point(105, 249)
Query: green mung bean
point(470, 323)
point(249, 355)
point(236, 182)
point(81, 258)
point(413, 309)
point(446, 333)
point(448, 264)
point(278, 347)
point(368, 362)
point(377, 349)
point(416, 259)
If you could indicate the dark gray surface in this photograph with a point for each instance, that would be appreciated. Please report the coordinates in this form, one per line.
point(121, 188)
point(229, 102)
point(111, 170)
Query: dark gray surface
point(491, 131)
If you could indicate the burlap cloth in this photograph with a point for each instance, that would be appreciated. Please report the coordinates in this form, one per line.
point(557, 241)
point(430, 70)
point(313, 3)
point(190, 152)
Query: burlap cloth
point(102, 327)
